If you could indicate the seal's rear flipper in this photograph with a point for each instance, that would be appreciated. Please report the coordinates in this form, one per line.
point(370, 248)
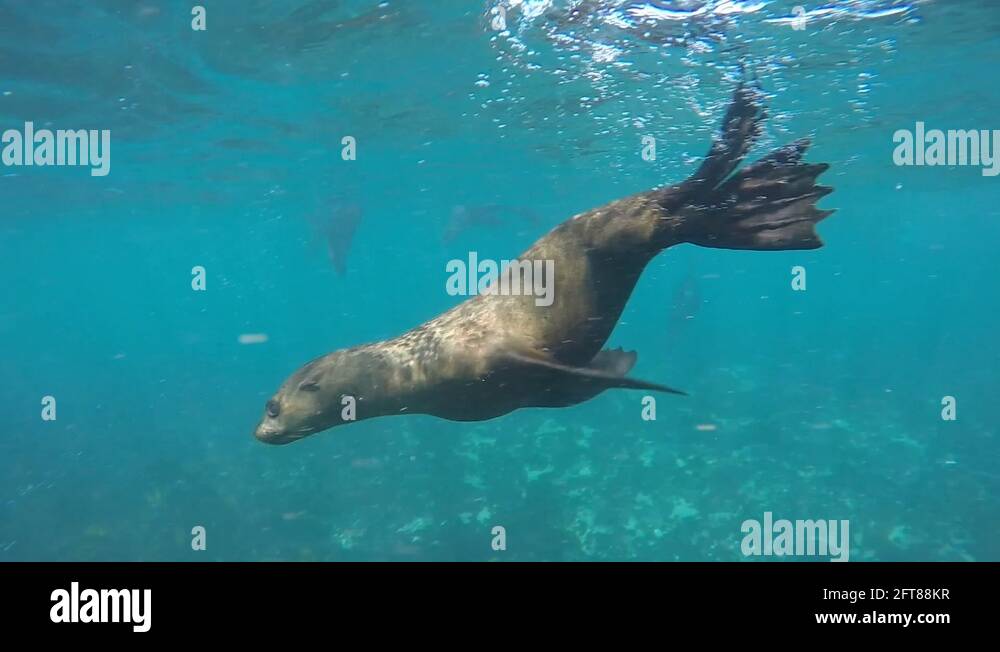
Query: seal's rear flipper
point(768, 205)
point(568, 385)
point(741, 127)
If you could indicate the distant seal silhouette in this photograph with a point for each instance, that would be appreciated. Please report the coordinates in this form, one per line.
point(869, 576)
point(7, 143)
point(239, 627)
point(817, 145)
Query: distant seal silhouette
point(495, 353)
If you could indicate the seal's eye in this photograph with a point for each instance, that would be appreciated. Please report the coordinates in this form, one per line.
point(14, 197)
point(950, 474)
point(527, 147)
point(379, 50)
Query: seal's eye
point(273, 408)
point(309, 386)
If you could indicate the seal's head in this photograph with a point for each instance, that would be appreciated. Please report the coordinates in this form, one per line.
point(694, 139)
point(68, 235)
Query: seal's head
point(288, 417)
point(322, 394)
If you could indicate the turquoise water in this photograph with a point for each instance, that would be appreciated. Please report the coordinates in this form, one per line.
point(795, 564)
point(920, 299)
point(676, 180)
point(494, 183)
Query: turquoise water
point(226, 154)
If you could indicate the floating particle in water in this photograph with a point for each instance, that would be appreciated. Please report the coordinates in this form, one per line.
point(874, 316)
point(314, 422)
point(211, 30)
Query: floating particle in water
point(706, 427)
point(252, 338)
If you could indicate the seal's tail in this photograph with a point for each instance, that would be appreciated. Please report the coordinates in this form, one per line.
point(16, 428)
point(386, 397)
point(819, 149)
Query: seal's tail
point(769, 205)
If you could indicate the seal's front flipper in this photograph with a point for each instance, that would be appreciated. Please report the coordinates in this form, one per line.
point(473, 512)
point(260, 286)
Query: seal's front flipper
point(568, 385)
point(613, 364)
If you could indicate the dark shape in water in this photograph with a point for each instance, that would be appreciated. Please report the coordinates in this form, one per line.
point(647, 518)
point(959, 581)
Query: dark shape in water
point(465, 218)
point(337, 233)
point(495, 353)
point(685, 303)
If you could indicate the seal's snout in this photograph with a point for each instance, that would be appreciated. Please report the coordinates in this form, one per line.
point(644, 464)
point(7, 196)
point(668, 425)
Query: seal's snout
point(268, 434)
point(270, 431)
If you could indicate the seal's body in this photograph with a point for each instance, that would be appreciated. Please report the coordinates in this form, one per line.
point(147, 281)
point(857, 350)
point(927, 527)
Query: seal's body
point(495, 353)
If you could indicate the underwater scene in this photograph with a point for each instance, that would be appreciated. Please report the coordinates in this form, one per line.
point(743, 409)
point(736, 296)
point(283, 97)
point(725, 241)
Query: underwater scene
point(262, 295)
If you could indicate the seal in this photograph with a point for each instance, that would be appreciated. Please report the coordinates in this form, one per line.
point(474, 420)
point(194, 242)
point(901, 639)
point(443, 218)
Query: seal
point(495, 353)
